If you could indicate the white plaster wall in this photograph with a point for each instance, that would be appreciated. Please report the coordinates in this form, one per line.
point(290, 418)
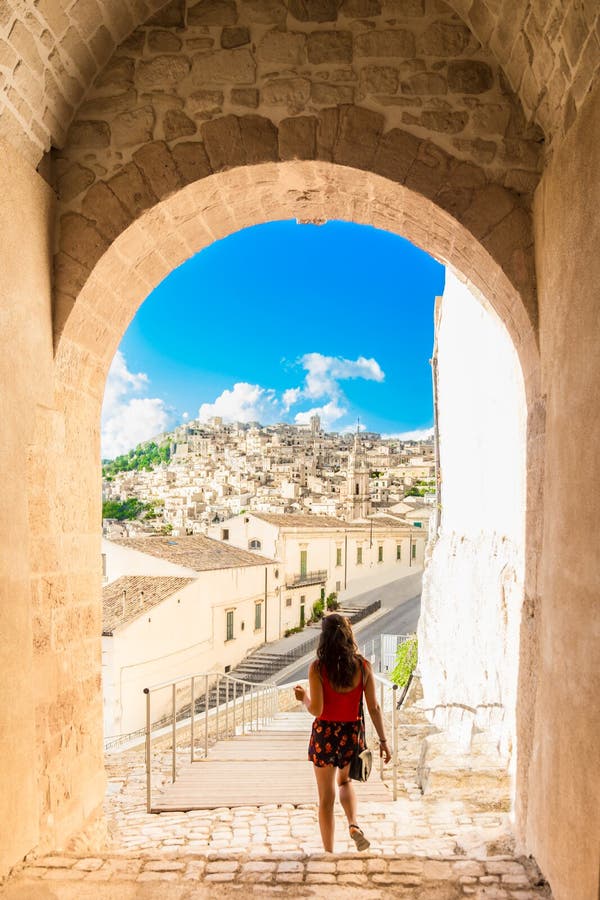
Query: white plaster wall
point(473, 581)
point(185, 634)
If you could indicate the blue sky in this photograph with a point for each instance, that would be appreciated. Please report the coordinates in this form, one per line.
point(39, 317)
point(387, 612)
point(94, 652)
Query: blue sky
point(275, 322)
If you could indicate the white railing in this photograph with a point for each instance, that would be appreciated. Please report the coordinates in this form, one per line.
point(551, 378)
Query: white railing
point(196, 706)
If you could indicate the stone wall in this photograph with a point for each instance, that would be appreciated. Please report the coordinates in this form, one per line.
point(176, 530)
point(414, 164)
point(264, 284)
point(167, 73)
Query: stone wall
point(473, 582)
point(563, 819)
point(52, 50)
point(26, 376)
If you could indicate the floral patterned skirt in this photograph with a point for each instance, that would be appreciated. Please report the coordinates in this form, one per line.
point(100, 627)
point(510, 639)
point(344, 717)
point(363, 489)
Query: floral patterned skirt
point(334, 743)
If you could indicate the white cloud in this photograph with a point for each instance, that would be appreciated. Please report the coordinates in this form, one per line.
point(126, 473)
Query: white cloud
point(244, 403)
point(185, 416)
point(128, 420)
point(329, 413)
point(324, 372)
point(290, 397)
point(419, 434)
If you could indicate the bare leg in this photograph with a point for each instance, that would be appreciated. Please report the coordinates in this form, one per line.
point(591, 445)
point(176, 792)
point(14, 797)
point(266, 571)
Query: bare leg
point(347, 795)
point(325, 776)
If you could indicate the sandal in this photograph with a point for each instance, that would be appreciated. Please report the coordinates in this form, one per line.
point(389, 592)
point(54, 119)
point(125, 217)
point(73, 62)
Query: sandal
point(358, 837)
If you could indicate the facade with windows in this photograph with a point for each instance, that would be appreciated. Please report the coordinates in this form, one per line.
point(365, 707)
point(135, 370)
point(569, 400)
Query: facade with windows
point(319, 555)
point(178, 605)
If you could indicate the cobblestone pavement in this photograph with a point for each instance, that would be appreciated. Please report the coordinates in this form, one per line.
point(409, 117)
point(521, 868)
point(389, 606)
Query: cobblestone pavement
point(422, 847)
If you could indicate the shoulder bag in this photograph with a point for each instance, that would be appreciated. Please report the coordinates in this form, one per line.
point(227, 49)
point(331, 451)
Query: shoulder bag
point(362, 761)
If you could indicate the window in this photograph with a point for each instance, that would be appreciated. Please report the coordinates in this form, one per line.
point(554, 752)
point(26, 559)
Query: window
point(380, 553)
point(224, 534)
point(257, 616)
point(338, 556)
point(229, 630)
point(288, 601)
point(398, 551)
point(303, 563)
point(338, 586)
point(359, 556)
point(254, 544)
point(357, 491)
point(414, 551)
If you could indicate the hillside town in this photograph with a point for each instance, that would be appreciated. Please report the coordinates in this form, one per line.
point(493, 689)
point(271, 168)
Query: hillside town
point(245, 534)
point(217, 470)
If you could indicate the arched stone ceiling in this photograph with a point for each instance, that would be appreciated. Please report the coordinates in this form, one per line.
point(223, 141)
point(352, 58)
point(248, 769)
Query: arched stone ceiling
point(52, 50)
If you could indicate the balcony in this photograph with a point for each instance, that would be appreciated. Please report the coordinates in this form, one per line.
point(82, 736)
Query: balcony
point(304, 578)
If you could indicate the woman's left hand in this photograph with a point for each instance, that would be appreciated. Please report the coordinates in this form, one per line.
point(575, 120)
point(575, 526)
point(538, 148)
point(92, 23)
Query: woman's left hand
point(384, 751)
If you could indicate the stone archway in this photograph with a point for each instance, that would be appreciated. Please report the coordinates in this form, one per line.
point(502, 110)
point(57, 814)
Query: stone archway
point(181, 225)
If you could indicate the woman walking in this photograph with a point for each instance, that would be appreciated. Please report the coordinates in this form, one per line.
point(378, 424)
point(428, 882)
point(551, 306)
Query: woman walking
point(336, 681)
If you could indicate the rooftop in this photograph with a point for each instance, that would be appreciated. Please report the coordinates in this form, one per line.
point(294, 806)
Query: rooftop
point(128, 597)
point(195, 551)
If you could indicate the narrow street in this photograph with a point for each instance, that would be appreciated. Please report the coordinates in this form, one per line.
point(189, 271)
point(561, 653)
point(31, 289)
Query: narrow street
point(401, 618)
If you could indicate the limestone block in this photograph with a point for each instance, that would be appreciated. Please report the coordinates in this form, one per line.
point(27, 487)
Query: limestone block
point(133, 127)
point(445, 39)
point(232, 37)
point(102, 44)
point(176, 124)
point(102, 207)
point(395, 154)
point(223, 143)
point(75, 180)
point(483, 152)
point(314, 10)
point(80, 239)
point(329, 46)
point(119, 72)
point(396, 42)
point(192, 161)
point(425, 83)
point(264, 12)
point(158, 168)
point(223, 67)
point(89, 135)
point(359, 133)
point(324, 94)
point(298, 137)
point(259, 137)
point(131, 189)
point(293, 93)
point(404, 8)
point(162, 41)
point(379, 80)
point(134, 43)
point(327, 130)
point(213, 12)
point(170, 16)
point(70, 277)
point(429, 169)
point(200, 43)
point(359, 9)
point(162, 72)
point(203, 104)
point(245, 97)
point(445, 121)
point(285, 47)
point(106, 107)
point(469, 77)
point(490, 205)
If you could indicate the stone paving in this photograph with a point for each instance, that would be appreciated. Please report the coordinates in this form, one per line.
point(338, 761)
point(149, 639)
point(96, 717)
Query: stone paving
point(421, 847)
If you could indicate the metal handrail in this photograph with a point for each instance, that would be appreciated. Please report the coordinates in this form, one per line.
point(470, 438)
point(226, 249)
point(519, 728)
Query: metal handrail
point(314, 577)
point(245, 693)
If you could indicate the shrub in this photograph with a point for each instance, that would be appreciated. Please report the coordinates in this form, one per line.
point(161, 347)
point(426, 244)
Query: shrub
point(295, 630)
point(318, 609)
point(406, 661)
point(332, 602)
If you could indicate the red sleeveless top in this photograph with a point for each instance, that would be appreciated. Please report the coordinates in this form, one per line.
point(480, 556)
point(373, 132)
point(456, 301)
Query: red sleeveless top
point(340, 706)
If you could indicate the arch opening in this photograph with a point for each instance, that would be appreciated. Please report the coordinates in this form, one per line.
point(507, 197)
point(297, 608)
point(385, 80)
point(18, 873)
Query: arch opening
point(205, 211)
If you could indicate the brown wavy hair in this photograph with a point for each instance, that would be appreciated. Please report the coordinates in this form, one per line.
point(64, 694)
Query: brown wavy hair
point(337, 652)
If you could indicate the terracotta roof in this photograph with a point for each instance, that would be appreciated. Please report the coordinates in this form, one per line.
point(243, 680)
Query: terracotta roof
point(142, 592)
point(195, 551)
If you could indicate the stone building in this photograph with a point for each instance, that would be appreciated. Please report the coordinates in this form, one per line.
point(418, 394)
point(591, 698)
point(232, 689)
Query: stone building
point(133, 134)
point(173, 606)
